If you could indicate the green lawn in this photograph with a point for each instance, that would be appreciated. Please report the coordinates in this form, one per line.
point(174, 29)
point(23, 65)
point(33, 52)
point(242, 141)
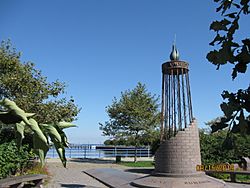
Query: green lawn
point(226, 177)
point(137, 164)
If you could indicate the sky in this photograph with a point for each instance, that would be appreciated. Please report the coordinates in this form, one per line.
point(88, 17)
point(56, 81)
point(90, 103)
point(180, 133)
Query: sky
point(103, 47)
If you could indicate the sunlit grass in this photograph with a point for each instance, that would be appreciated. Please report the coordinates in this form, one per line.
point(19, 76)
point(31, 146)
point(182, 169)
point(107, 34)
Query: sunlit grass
point(137, 164)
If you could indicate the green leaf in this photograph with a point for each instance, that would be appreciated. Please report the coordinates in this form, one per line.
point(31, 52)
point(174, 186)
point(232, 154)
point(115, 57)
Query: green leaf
point(37, 131)
point(219, 8)
point(231, 15)
point(246, 42)
point(63, 125)
point(212, 56)
point(226, 94)
point(57, 140)
point(220, 25)
point(52, 132)
point(240, 67)
point(40, 148)
point(40, 142)
point(19, 133)
point(218, 39)
point(220, 125)
point(234, 73)
point(226, 109)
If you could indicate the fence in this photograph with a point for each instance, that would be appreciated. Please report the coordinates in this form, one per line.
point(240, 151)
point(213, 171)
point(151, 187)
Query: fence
point(100, 151)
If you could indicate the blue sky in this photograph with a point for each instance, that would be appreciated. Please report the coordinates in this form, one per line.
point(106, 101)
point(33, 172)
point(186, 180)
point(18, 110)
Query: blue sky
point(102, 47)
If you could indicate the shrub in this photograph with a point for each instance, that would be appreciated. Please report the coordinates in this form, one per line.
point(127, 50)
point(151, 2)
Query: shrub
point(12, 159)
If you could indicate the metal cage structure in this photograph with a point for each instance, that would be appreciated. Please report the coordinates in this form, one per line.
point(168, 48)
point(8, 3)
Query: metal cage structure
point(177, 111)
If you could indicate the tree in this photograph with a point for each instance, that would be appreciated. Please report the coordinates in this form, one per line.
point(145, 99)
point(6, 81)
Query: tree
point(215, 150)
point(25, 85)
point(29, 91)
point(236, 109)
point(133, 115)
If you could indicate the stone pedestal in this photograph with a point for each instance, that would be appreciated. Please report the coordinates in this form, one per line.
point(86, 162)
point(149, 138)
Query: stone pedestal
point(175, 164)
point(201, 181)
point(179, 154)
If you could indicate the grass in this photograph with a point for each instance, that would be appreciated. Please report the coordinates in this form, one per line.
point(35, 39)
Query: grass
point(226, 177)
point(36, 168)
point(239, 177)
point(137, 164)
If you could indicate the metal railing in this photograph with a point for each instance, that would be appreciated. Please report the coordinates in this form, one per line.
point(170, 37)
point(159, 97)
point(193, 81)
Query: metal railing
point(101, 151)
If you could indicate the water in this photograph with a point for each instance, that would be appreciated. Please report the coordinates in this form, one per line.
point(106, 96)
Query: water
point(90, 151)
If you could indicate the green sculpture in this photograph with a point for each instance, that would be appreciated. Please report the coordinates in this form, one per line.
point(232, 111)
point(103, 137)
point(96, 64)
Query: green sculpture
point(15, 114)
point(41, 133)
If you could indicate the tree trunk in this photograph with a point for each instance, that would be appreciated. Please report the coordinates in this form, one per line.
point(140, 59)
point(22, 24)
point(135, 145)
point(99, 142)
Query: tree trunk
point(136, 146)
point(135, 157)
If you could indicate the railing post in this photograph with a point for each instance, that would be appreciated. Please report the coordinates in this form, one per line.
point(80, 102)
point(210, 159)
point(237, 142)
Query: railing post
point(53, 151)
point(233, 177)
point(85, 147)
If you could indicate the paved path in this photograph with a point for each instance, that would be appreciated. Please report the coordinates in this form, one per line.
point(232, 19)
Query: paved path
point(73, 176)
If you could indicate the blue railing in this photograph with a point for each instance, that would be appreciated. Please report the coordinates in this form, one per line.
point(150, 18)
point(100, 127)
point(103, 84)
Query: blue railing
point(100, 151)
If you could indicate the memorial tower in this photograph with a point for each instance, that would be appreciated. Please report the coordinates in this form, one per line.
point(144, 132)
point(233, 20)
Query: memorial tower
point(179, 151)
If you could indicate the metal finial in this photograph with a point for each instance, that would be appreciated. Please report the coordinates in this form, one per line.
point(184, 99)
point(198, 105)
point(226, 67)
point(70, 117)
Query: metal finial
point(174, 56)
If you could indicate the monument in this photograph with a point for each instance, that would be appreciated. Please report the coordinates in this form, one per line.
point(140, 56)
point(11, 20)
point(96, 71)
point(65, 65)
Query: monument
point(178, 155)
point(179, 151)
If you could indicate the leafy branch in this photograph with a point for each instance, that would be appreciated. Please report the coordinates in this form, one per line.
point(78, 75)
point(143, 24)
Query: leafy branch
point(237, 105)
point(229, 50)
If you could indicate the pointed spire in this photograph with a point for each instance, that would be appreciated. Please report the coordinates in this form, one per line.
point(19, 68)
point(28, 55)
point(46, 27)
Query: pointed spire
point(174, 56)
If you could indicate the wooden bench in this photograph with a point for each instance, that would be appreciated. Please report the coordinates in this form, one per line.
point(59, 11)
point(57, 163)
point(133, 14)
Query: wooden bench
point(232, 173)
point(19, 181)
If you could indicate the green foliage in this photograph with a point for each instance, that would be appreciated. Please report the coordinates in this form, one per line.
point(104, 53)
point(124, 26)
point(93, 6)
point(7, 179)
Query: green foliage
point(29, 91)
point(230, 51)
point(149, 138)
point(7, 133)
point(58, 137)
point(236, 112)
point(37, 168)
point(25, 85)
point(212, 150)
point(134, 115)
point(236, 109)
point(155, 144)
point(226, 177)
point(12, 159)
point(217, 148)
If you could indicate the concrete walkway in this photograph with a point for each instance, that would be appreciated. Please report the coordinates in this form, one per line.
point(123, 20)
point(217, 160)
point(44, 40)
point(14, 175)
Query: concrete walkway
point(73, 176)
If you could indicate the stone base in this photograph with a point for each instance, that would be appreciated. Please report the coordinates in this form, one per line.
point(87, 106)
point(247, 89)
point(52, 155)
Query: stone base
point(179, 154)
point(201, 181)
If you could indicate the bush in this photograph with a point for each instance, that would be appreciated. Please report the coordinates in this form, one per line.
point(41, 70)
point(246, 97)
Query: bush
point(12, 159)
point(217, 148)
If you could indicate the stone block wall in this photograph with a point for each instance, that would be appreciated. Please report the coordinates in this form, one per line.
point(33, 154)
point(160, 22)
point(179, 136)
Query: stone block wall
point(179, 154)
